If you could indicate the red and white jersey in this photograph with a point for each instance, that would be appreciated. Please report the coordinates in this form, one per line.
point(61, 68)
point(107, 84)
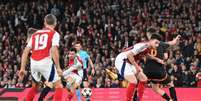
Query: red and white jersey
point(74, 66)
point(138, 50)
point(75, 63)
point(41, 42)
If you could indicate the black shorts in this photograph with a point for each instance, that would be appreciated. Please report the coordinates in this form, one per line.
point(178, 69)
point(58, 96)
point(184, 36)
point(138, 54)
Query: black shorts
point(165, 81)
point(155, 72)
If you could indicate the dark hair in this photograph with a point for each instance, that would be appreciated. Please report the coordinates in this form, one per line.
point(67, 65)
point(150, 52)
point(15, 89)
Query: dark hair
point(31, 31)
point(50, 19)
point(156, 36)
point(151, 30)
point(72, 49)
point(78, 42)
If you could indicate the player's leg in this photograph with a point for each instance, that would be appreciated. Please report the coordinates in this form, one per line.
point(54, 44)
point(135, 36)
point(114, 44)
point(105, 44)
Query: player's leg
point(58, 91)
point(129, 75)
point(159, 91)
point(35, 78)
point(50, 74)
point(45, 91)
point(131, 87)
point(128, 72)
point(78, 81)
point(32, 92)
point(78, 92)
point(71, 84)
point(141, 85)
point(172, 90)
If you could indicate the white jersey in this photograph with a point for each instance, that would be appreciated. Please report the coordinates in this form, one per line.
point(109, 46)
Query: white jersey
point(136, 49)
point(123, 65)
point(74, 66)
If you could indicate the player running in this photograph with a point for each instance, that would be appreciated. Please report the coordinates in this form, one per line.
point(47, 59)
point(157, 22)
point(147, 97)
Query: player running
point(126, 64)
point(44, 58)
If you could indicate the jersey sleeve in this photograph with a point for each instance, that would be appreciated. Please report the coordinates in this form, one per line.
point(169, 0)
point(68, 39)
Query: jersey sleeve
point(78, 64)
point(139, 47)
point(29, 44)
point(55, 39)
point(164, 45)
point(87, 55)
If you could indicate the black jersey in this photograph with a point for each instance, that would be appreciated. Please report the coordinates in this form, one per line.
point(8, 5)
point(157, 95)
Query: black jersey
point(153, 69)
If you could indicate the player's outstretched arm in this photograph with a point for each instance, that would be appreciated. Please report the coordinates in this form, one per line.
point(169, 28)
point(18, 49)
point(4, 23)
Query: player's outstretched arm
point(156, 59)
point(174, 41)
point(24, 61)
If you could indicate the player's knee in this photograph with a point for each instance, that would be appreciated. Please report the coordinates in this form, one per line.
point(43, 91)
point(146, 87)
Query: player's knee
point(49, 84)
point(58, 84)
point(155, 87)
point(131, 79)
point(171, 84)
point(36, 85)
point(143, 77)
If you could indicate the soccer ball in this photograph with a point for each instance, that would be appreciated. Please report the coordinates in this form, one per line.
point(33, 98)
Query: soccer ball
point(86, 92)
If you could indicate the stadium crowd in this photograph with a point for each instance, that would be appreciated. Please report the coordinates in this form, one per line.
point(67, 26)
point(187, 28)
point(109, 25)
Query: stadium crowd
point(104, 27)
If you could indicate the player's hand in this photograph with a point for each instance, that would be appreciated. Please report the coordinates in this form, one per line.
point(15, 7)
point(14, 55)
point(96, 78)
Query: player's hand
point(139, 69)
point(178, 38)
point(21, 74)
point(93, 71)
point(59, 71)
point(161, 61)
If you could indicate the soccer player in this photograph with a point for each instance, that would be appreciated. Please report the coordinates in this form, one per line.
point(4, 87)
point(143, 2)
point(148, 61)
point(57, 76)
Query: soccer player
point(127, 66)
point(71, 79)
point(155, 70)
point(71, 74)
point(86, 60)
point(44, 58)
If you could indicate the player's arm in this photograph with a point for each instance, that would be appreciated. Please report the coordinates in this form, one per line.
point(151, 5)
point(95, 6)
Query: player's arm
point(72, 68)
point(77, 65)
point(174, 41)
point(55, 51)
point(131, 59)
point(140, 47)
point(92, 65)
point(24, 56)
point(155, 58)
point(55, 55)
point(165, 56)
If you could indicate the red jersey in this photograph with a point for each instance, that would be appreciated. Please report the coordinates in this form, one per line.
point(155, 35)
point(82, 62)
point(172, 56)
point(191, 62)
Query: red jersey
point(41, 43)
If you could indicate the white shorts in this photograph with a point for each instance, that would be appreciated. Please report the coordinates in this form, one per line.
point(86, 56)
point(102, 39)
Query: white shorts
point(45, 68)
point(76, 78)
point(123, 67)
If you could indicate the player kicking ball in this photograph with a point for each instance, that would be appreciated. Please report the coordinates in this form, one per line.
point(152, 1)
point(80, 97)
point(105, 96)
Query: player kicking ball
point(70, 77)
point(126, 64)
point(71, 74)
